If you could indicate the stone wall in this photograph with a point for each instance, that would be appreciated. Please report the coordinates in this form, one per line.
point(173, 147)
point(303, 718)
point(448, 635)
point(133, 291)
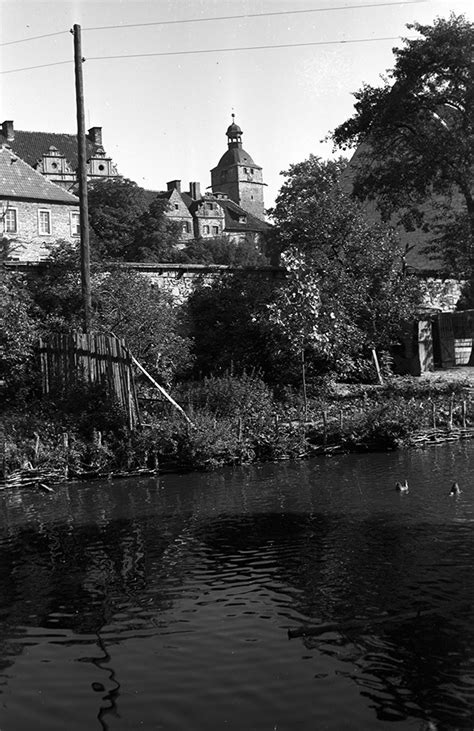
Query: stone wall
point(180, 280)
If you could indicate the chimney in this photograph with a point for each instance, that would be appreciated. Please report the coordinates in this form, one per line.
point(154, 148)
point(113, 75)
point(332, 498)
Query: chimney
point(174, 185)
point(7, 130)
point(195, 191)
point(95, 135)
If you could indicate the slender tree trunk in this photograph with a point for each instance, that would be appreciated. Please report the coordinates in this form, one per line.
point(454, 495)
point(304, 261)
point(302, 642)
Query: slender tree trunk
point(303, 377)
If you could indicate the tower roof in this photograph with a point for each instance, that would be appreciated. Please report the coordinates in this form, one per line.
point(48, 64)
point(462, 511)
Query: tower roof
point(235, 154)
point(233, 130)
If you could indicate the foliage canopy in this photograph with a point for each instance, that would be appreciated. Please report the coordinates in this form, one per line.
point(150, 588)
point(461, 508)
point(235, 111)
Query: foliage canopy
point(415, 134)
point(346, 290)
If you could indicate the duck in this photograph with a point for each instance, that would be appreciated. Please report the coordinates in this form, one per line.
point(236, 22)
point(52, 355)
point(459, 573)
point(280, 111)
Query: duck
point(455, 489)
point(401, 487)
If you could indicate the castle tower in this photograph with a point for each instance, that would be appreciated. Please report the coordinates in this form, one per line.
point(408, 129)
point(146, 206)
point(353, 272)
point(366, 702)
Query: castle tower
point(238, 176)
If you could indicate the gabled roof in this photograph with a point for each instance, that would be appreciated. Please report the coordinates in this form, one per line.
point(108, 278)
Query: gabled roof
point(19, 181)
point(31, 146)
point(232, 214)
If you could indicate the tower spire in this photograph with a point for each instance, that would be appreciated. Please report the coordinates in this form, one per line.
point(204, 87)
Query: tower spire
point(234, 134)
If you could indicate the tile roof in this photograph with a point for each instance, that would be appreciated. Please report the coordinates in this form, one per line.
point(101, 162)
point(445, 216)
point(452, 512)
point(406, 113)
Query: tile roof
point(19, 181)
point(236, 156)
point(232, 214)
point(31, 146)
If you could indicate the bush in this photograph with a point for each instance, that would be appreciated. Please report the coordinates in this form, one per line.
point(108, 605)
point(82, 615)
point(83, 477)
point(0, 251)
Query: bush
point(229, 395)
point(385, 427)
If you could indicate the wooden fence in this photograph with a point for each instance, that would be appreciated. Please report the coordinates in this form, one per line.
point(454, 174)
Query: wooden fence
point(69, 360)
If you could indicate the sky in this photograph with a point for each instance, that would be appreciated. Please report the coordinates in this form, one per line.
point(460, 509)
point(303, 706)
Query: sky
point(164, 117)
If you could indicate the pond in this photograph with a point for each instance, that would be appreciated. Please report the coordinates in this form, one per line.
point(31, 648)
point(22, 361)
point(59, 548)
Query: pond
point(166, 603)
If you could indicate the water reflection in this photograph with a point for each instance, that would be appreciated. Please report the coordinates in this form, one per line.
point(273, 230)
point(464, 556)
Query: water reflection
point(192, 582)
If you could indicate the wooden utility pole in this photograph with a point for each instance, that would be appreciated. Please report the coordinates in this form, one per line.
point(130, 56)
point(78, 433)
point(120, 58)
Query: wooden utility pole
point(82, 177)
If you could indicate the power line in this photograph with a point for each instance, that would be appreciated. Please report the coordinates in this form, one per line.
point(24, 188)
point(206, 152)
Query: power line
point(242, 48)
point(34, 38)
point(220, 17)
point(41, 66)
point(255, 15)
point(210, 50)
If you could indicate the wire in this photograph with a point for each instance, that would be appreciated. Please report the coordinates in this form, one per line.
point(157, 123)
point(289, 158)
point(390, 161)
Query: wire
point(255, 15)
point(220, 17)
point(210, 50)
point(34, 38)
point(41, 66)
point(242, 48)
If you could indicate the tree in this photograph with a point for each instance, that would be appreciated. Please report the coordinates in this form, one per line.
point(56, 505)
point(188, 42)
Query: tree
point(231, 331)
point(222, 250)
point(125, 226)
point(346, 291)
point(148, 319)
point(123, 303)
point(18, 334)
point(416, 133)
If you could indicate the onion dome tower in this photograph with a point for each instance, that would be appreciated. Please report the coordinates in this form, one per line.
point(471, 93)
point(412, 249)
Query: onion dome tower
point(238, 176)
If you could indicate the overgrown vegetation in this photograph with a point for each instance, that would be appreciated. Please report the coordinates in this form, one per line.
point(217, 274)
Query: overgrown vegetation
point(253, 360)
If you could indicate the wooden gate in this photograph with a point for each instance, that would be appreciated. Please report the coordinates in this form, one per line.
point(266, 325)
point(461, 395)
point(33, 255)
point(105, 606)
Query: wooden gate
point(446, 339)
point(456, 335)
point(72, 359)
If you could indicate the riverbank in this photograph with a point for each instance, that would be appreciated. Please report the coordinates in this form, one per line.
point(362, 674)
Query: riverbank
point(232, 421)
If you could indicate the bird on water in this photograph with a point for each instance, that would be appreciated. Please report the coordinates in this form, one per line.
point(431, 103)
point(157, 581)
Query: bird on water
point(455, 489)
point(401, 486)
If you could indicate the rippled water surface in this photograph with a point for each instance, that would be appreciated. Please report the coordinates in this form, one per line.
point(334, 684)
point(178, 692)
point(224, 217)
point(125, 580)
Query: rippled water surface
point(166, 604)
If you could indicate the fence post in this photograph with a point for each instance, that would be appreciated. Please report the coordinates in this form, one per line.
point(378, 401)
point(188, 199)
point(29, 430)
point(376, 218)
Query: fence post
point(464, 422)
point(450, 414)
point(325, 428)
point(277, 426)
point(66, 454)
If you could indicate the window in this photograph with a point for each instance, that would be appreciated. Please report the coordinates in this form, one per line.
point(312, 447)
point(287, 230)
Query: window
point(44, 221)
point(10, 221)
point(205, 229)
point(215, 230)
point(75, 224)
point(176, 206)
point(245, 170)
point(186, 227)
point(251, 170)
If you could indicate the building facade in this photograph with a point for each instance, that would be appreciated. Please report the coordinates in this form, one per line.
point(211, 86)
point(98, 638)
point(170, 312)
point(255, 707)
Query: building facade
point(34, 212)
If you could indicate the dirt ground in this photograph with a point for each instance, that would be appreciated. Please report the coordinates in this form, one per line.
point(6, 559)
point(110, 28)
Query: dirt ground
point(461, 373)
